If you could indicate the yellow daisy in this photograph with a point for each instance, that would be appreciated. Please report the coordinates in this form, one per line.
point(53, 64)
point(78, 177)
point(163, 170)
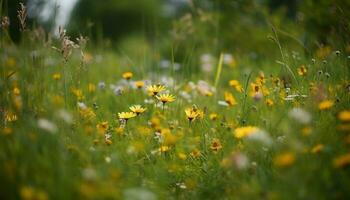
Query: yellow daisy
point(138, 109)
point(166, 98)
point(153, 90)
point(126, 115)
point(127, 75)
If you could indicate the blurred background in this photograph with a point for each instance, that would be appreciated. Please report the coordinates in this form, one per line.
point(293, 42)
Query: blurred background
point(235, 25)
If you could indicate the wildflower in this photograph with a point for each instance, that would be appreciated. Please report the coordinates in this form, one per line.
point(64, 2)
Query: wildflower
point(300, 115)
point(108, 141)
point(139, 84)
point(213, 116)
point(317, 148)
point(78, 94)
point(10, 117)
point(137, 109)
point(56, 76)
point(47, 125)
point(119, 130)
point(102, 127)
point(302, 70)
point(163, 149)
point(165, 98)
point(196, 153)
point(245, 131)
point(182, 156)
point(91, 87)
point(16, 91)
point(87, 113)
point(191, 114)
point(235, 84)
point(215, 145)
point(284, 160)
point(342, 161)
point(325, 105)
point(126, 115)
point(344, 116)
point(306, 130)
point(127, 75)
point(153, 90)
point(236, 159)
point(230, 100)
point(269, 102)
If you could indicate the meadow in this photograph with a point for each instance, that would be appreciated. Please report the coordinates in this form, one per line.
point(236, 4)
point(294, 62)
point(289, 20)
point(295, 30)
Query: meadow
point(79, 121)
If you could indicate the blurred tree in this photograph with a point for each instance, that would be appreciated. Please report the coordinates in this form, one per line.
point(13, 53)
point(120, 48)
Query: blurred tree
point(113, 18)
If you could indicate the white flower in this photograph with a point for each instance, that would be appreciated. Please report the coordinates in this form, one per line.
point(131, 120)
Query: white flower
point(47, 125)
point(300, 115)
point(222, 103)
point(260, 136)
point(65, 115)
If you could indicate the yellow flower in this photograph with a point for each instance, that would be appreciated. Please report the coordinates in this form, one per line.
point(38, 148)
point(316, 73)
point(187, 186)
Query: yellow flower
point(269, 102)
point(153, 90)
point(323, 52)
point(317, 148)
point(302, 70)
point(196, 153)
point(325, 105)
point(342, 161)
point(213, 116)
point(245, 131)
point(91, 87)
point(127, 75)
point(166, 98)
point(230, 100)
point(163, 149)
point(191, 114)
point(235, 84)
point(102, 127)
point(10, 117)
point(16, 91)
point(284, 160)
point(182, 156)
point(139, 84)
point(126, 115)
point(108, 141)
point(344, 116)
point(78, 94)
point(87, 113)
point(137, 109)
point(56, 76)
point(215, 145)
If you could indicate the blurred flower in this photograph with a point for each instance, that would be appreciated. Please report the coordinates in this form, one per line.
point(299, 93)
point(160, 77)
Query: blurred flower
point(269, 102)
point(317, 148)
point(56, 76)
point(302, 70)
point(47, 125)
point(215, 145)
point(342, 161)
point(236, 85)
point(65, 115)
point(344, 116)
point(300, 115)
point(284, 159)
point(139, 84)
point(195, 153)
point(138, 109)
point(102, 127)
point(325, 105)
point(101, 85)
point(91, 87)
point(182, 156)
point(237, 160)
point(245, 131)
point(230, 100)
point(213, 116)
point(127, 75)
